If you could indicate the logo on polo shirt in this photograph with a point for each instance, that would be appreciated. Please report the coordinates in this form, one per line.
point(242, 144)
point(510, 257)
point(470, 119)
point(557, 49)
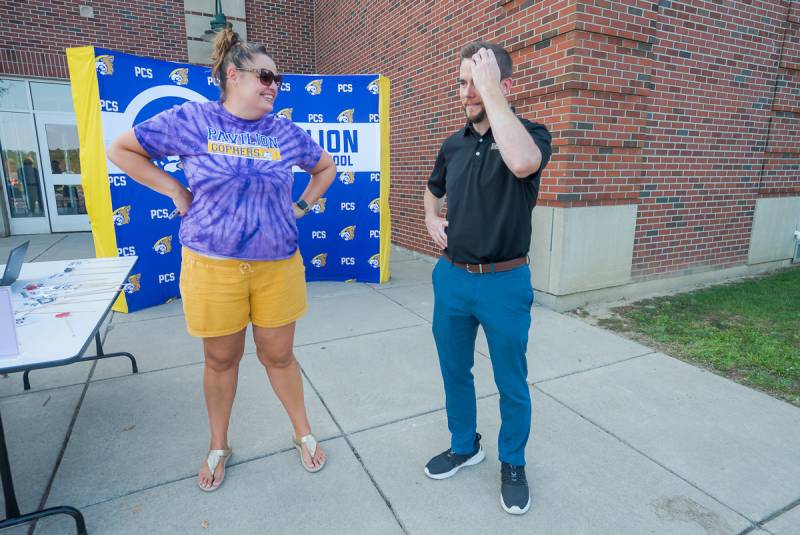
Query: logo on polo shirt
point(347, 177)
point(314, 87)
point(320, 260)
point(285, 113)
point(346, 116)
point(375, 261)
point(180, 76)
point(104, 64)
point(348, 233)
point(494, 147)
point(122, 215)
point(164, 245)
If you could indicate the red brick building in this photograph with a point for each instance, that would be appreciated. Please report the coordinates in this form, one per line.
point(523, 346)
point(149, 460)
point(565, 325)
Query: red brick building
point(676, 124)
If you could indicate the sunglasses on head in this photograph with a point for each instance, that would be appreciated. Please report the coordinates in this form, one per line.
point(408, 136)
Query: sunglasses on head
point(266, 76)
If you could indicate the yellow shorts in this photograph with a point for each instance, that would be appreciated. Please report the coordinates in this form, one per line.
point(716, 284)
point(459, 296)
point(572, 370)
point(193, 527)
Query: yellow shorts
point(221, 296)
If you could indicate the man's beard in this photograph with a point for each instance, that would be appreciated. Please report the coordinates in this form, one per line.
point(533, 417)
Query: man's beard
point(478, 118)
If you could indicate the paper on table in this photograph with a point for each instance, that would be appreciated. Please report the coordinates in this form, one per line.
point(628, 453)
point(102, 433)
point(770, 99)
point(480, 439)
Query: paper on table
point(9, 347)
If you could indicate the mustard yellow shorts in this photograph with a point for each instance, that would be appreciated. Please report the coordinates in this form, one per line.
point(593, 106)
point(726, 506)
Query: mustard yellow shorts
point(221, 296)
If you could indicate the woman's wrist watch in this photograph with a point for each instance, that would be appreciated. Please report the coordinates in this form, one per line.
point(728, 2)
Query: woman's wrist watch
point(303, 205)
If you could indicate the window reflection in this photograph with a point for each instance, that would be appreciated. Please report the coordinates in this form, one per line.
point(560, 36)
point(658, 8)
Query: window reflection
point(21, 168)
point(69, 199)
point(13, 95)
point(62, 143)
point(51, 97)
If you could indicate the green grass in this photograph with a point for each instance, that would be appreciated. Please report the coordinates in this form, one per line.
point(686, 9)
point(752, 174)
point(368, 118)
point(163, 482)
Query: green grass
point(748, 331)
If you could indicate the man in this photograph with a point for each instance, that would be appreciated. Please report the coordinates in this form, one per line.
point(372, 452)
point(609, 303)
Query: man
point(35, 205)
point(489, 171)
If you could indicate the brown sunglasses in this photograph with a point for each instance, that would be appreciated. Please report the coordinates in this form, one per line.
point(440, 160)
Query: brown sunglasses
point(266, 76)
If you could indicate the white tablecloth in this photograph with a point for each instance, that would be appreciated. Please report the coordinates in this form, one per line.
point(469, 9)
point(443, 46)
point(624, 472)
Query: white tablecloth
point(58, 306)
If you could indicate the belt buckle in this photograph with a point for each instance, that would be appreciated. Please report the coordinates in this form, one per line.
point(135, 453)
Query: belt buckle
point(479, 266)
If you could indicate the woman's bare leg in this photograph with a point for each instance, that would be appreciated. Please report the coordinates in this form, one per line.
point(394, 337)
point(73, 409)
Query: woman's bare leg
point(274, 347)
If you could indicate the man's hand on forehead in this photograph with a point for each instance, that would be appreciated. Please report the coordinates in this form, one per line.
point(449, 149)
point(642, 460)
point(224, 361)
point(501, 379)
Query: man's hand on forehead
point(485, 70)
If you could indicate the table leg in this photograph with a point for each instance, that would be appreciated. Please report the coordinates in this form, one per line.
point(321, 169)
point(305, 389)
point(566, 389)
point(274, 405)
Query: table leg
point(12, 508)
point(80, 523)
point(100, 355)
point(13, 518)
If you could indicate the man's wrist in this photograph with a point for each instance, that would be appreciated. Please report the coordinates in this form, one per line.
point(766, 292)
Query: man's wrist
point(493, 97)
point(303, 205)
point(492, 90)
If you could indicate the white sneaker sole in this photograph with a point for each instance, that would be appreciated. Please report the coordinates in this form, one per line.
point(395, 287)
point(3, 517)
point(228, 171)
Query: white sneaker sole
point(475, 459)
point(514, 510)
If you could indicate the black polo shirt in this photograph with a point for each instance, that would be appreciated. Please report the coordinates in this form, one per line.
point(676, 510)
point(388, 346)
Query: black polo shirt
point(488, 208)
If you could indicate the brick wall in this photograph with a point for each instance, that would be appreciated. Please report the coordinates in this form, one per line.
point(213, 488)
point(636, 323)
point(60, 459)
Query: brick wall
point(687, 109)
point(416, 45)
point(690, 110)
point(286, 28)
point(714, 137)
point(35, 33)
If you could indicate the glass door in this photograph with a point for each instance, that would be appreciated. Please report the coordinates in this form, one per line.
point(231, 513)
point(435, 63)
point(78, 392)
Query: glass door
point(22, 174)
point(61, 166)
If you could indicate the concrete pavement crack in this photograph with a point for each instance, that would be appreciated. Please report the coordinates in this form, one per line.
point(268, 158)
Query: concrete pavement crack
point(769, 518)
point(64, 237)
point(353, 449)
point(600, 367)
point(643, 454)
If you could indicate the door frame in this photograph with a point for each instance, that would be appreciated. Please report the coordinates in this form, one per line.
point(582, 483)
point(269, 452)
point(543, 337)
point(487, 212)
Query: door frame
point(58, 223)
point(26, 225)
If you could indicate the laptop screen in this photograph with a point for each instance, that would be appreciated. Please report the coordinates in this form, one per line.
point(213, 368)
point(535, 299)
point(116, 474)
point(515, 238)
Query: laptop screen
point(14, 265)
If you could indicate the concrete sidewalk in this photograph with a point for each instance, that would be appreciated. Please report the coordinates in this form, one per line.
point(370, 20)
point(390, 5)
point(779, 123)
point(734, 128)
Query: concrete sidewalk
point(625, 440)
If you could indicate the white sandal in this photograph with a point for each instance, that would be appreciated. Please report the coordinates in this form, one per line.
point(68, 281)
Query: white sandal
point(311, 444)
point(213, 460)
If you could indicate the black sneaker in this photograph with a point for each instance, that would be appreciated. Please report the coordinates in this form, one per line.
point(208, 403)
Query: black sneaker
point(447, 463)
point(515, 496)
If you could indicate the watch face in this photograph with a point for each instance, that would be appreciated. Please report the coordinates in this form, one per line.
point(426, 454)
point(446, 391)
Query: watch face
point(302, 204)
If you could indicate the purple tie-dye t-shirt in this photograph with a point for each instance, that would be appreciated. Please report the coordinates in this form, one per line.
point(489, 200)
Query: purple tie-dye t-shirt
point(240, 173)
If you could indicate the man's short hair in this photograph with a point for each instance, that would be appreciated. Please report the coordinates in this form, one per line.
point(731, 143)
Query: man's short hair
point(503, 58)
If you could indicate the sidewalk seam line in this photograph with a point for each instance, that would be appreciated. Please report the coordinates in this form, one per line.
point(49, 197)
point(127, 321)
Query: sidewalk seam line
point(376, 290)
point(65, 443)
point(355, 452)
point(777, 514)
point(64, 237)
point(194, 475)
point(361, 335)
point(600, 367)
point(413, 416)
point(643, 454)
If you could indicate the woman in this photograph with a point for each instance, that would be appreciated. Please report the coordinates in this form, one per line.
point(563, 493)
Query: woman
point(240, 258)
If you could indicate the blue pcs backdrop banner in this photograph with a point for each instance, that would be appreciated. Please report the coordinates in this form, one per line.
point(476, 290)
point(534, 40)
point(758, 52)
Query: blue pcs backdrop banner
point(345, 237)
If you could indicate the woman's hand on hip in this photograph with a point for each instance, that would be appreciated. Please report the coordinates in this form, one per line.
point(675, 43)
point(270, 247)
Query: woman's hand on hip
point(182, 198)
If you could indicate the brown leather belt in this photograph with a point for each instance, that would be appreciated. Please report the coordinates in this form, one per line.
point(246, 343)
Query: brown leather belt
point(496, 267)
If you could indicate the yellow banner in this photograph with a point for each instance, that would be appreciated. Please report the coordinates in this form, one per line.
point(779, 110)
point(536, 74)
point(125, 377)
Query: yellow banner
point(94, 172)
point(386, 220)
